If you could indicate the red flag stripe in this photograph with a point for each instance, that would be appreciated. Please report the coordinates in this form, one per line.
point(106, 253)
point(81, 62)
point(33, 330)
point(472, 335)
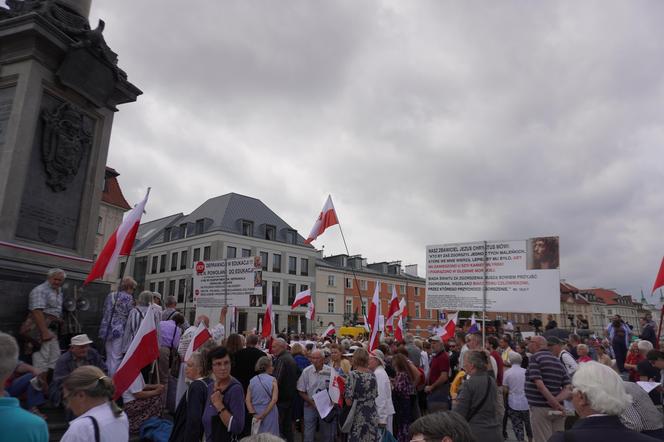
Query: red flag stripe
point(659, 281)
point(146, 352)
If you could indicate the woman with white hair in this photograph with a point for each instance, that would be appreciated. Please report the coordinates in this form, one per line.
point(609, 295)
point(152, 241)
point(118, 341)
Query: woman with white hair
point(599, 398)
point(514, 385)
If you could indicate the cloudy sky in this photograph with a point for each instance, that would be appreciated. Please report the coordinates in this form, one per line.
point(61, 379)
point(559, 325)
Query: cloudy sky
point(429, 122)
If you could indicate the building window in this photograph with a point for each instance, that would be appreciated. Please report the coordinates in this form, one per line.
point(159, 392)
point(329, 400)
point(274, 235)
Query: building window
point(264, 293)
point(183, 260)
point(304, 267)
point(330, 304)
point(160, 287)
point(246, 253)
point(276, 263)
point(364, 307)
point(197, 255)
point(417, 309)
point(247, 228)
point(200, 226)
point(167, 234)
point(349, 307)
point(100, 225)
point(348, 283)
point(363, 284)
point(292, 265)
point(154, 267)
point(183, 231)
point(428, 314)
point(231, 252)
point(171, 287)
point(303, 287)
point(152, 286)
point(389, 288)
point(206, 253)
point(182, 288)
point(162, 265)
point(276, 293)
point(402, 289)
point(264, 261)
point(417, 291)
point(292, 291)
point(330, 281)
point(174, 261)
point(291, 236)
point(270, 233)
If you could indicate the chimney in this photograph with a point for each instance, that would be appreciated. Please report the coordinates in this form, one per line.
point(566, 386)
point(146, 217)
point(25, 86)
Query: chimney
point(411, 270)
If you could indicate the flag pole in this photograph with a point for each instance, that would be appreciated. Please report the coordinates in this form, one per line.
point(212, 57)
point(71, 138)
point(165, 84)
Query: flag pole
point(357, 285)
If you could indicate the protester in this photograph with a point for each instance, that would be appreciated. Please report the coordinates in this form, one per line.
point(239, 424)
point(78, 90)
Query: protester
point(363, 390)
point(384, 405)
point(477, 399)
point(312, 380)
point(135, 317)
point(262, 397)
point(188, 423)
point(602, 357)
point(224, 413)
point(582, 351)
point(117, 306)
point(444, 426)
point(439, 387)
point(79, 354)
point(634, 356)
point(169, 359)
point(88, 393)
point(619, 333)
point(404, 388)
point(599, 397)
point(547, 386)
point(342, 366)
point(141, 402)
point(473, 343)
point(514, 383)
point(648, 330)
point(45, 319)
point(642, 415)
point(19, 424)
point(650, 371)
point(285, 371)
point(414, 353)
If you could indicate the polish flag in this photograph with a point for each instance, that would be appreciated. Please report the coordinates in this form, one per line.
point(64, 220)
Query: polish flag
point(393, 309)
point(327, 218)
point(450, 327)
point(374, 313)
point(201, 336)
point(302, 298)
point(143, 350)
point(311, 311)
point(366, 324)
point(659, 281)
point(119, 244)
point(267, 318)
point(330, 330)
point(336, 388)
point(399, 330)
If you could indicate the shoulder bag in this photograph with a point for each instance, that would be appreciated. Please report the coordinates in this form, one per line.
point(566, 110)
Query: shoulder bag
point(472, 412)
point(348, 413)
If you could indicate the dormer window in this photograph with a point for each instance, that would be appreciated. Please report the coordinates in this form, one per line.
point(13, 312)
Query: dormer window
point(270, 233)
point(200, 226)
point(183, 230)
point(291, 236)
point(247, 228)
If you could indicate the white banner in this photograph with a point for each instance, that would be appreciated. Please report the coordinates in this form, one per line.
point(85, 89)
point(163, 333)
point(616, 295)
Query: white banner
point(227, 282)
point(521, 276)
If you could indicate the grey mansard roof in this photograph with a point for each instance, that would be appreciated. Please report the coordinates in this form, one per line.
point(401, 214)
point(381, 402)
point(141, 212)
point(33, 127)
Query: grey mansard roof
point(224, 213)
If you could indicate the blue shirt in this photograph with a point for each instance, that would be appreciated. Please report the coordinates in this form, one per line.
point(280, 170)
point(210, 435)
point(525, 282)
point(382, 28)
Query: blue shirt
point(20, 425)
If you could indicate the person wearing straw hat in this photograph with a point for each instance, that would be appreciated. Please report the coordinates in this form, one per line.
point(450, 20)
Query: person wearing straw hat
point(79, 354)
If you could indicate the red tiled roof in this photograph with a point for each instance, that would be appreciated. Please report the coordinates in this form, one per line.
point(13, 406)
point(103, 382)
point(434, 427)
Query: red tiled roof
point(564, 297)
point(608, 296)
point(566, 287)
point(112, 193)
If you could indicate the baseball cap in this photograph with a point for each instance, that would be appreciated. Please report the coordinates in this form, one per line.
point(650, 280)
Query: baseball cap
point(554, 340)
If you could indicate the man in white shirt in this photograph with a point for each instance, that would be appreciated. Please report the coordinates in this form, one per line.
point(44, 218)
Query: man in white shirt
point(384, 405)
point(514, 382)
point(314, 379)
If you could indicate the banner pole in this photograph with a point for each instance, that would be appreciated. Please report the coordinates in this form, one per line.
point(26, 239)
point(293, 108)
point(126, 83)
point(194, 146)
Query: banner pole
point(484, 289)
point(355, 281)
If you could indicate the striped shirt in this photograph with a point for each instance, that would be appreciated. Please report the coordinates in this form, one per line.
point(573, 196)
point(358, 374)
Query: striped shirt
point(546, 366)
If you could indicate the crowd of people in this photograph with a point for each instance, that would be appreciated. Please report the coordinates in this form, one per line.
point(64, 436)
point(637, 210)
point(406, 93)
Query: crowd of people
point(544, 387)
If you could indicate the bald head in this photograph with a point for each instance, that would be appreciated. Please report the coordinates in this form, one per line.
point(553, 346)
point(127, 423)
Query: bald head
point(538, 343)
point(204, 319)
point(317, 359)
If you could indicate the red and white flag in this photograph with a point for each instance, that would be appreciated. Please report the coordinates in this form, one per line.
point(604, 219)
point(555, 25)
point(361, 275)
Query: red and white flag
point(302, 298)
point(267, 318)
point(403, 312)
point(336, 388)
point(330, 330)
point(327, 218)
point(659, 281)
point(311, 312)
point(374, 314)
point(200, 337)
point(143, 350)
point(393, 309)
point(119, 244)
point(448, 331)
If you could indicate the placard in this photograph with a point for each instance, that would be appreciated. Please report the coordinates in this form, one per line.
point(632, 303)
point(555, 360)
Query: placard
point(521, 276)
point(227, 282)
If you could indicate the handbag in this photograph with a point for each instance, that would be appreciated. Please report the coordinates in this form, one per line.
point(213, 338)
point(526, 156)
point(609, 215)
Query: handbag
point(347, 414)
point(255, 426)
